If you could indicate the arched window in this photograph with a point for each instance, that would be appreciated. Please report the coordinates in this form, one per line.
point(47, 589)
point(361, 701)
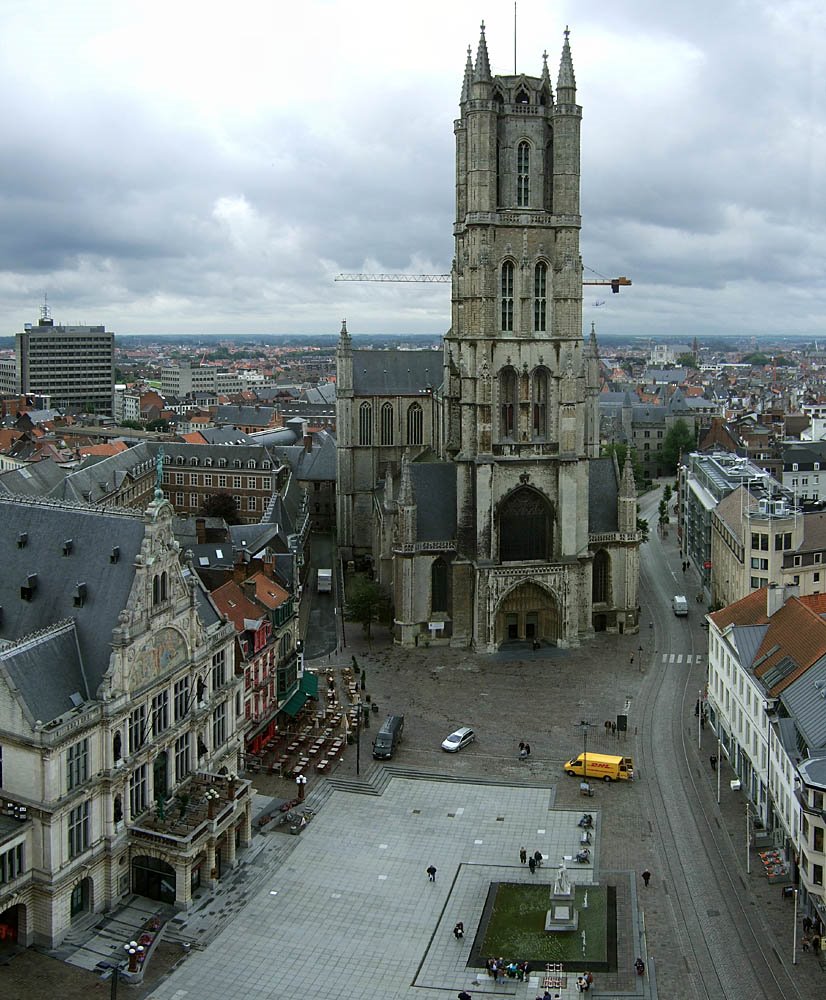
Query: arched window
point(507, 296)
point(365, 424)
point(163, 585)
point(525, 527)
point(540, 292)
point(387, 423)
point(523, 175)
point(438, 585)
point(522, 96)
point(414, 424)
point(116, 747)
point(117, 809)
point(507, 401)
point(539, 401)
point(600, 577)
point(156, 590)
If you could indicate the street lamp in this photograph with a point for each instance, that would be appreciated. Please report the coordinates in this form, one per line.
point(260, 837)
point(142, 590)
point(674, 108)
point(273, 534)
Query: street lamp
point(301, 781)
point(359, 708)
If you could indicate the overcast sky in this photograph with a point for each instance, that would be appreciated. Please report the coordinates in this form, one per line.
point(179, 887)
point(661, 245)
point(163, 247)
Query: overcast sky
point(199, 167)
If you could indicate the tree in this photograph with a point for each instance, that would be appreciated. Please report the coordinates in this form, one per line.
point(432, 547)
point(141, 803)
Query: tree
point(663, 513)
point(366, 602)
point(158, 425)
point(667, 492)
point(642, 527)
point(220, 505)
point(678, 439)
point(687, 361)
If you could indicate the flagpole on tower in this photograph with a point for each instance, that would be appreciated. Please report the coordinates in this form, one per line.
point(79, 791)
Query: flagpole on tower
point(514, 37)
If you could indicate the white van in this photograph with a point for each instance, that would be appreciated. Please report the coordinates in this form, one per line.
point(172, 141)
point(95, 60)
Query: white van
point(679, 605)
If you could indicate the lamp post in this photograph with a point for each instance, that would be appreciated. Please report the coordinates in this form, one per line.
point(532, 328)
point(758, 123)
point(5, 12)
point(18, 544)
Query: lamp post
point(585, 727)
point(794, 931)
point(748, 833)
point(699, 720)
point(640, 657)
point(301, 781)
point(134, 953)
point(358, 737)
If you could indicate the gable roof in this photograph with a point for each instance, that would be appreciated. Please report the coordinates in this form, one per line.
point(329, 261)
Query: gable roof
point(396, 373)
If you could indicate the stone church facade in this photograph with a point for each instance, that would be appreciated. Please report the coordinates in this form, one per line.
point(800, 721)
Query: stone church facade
point(480, 496)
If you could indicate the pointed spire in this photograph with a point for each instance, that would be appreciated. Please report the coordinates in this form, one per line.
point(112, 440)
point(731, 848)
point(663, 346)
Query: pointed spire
point(345, 336)
point(629, 488)
point(482, 73)
point(546, 76)
point(468, 78)
point(566, 79)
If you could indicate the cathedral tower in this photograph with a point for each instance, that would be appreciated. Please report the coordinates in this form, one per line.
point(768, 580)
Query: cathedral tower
point(520, 385)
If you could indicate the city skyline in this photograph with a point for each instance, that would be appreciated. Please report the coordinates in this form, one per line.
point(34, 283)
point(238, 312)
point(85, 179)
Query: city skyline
point(167, 170)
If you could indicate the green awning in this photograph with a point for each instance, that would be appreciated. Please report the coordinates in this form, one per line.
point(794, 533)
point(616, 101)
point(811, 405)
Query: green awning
point(309, 685)
point(295, 704)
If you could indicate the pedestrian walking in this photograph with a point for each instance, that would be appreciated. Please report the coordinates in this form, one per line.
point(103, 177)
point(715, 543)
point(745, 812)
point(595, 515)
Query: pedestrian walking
point(532, 864)
point(527, 749)
point(521, 745)
point(459, 931)
point(431, 873)
point(646, 877)
point(537, 856)
point(632, 659)
point(523, 855)
point(464, 995)
point(807, 924)
point(713, 761)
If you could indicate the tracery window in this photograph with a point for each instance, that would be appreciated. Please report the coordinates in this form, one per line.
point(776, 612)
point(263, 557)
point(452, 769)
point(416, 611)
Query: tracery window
point(539, 408)
point(365, 424)
point(387, 423)
point(506, 290)
point(540, 291)
point(507, 401)
point(414, 424)
point(523, 178)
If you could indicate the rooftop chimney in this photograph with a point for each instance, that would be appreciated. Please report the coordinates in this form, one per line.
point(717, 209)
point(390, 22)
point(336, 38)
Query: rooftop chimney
point(774, 599)
point(308, 443)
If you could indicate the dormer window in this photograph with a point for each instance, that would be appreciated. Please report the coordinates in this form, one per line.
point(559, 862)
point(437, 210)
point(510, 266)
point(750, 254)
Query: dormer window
point(522, 96)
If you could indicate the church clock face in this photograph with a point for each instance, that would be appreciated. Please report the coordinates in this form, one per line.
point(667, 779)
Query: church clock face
point(163, 653)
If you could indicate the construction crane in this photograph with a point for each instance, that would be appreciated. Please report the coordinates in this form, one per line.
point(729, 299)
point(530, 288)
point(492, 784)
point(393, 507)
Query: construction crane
point(615, 283)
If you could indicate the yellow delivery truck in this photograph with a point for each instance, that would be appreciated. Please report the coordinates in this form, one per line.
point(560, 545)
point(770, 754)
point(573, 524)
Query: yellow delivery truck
point(601, 765)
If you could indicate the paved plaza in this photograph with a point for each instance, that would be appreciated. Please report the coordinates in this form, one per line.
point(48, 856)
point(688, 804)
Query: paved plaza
point(350, 913)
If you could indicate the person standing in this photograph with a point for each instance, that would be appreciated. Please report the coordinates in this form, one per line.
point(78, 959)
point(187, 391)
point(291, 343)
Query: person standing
point(646, 877)
point(431, 873)
point(713, 761)
point(532, 864)
point(523, 855)
point(537, 856)
point(459, 931)
point(527, 749)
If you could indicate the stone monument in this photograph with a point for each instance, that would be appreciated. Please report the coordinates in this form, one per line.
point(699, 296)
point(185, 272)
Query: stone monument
point(563, 915)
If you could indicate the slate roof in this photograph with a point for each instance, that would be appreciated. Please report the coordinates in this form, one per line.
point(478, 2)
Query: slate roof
point(317, 465)
point(396, 373)
point(434, 489)
point(94, 533)
point(805, 701)
point(603, 491)
point(250, 416)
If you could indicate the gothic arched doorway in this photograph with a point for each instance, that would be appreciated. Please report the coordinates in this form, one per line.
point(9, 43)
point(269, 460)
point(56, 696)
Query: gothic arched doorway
point(527, 613)
point(153, 878)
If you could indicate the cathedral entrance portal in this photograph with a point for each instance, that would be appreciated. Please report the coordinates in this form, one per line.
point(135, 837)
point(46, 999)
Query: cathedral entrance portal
point(526, 614)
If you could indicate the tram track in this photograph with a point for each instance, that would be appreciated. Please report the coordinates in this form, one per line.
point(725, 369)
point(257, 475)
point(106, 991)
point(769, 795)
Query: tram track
point(728, 949)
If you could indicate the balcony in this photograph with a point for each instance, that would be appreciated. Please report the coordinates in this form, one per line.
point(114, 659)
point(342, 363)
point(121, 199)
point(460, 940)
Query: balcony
point(201, 805)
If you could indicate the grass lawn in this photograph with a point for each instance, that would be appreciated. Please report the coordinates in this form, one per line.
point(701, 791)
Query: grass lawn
point(513, 926)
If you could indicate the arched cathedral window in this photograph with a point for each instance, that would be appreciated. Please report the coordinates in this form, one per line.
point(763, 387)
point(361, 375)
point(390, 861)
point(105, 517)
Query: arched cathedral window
point(549, 176)
point(523, 176)
point(525, 527)
point(539, 400)
point(540, 301)
point(507, 296)
point(600, 577)
point(414, 424)
point(365, 424)
point(507, 401)
point(387, 423)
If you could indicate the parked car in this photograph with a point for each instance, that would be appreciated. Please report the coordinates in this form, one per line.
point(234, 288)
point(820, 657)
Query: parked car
point(459, 739)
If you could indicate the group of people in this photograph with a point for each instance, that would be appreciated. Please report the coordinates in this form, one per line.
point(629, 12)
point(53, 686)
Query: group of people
point(499, 969)
point(811, 935)
point(584, 982)
point(524, 751)
point(534, 861)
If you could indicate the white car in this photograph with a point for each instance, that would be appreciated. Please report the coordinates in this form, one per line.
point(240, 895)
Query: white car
point(459, 739)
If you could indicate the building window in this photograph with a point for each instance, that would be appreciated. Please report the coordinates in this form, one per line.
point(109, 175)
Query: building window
point(222, 482)
point(138, 793)
point(179, 479)
point(523, 176)
point(208, 480)
point(438, 585)
point(540, 403)
point(236, 482)
point(219, 669)
point(137, 728)
point(193, 499)
point(77, 764)
point(540, 291)
point(507, 401)
point(160, 713)
point(179, 499)
point(182, 759)
point(266, 484)
point(817, 874)
point(180, 694)
point(78, 829)
point(387, 423)
point(237, 501)
point(365, 424)
point(252, 503)
point(219, 725)
point(11, 864)
point(414, 424)
point(506, 289)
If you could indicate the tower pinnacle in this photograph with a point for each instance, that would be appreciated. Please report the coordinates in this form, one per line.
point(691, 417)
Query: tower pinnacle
point(482, 74)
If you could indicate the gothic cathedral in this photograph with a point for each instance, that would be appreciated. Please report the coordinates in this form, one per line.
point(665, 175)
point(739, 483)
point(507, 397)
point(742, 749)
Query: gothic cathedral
point(477, 494)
